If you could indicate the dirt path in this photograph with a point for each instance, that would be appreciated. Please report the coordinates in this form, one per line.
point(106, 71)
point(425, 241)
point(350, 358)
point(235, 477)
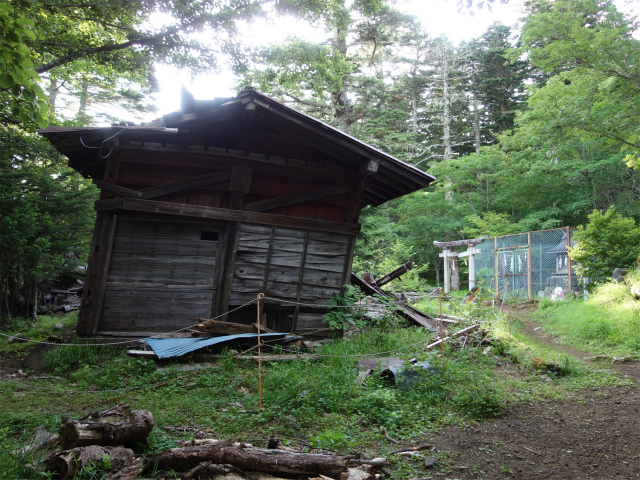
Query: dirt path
point(594, 439)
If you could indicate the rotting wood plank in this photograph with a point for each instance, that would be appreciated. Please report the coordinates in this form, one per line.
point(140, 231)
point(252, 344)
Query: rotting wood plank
point(224, 328)
point(226, 270)
point(86, 303)
point(177, 209)
point(104, 265)
point(297, 198)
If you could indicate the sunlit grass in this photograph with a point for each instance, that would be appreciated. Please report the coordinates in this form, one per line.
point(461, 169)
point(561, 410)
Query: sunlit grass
point(608, 323)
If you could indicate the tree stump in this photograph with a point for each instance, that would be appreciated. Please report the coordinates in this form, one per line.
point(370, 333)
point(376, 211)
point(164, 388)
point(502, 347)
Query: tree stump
point(116, 426)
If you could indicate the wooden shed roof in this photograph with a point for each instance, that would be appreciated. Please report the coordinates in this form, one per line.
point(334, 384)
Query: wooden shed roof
point(252, 126)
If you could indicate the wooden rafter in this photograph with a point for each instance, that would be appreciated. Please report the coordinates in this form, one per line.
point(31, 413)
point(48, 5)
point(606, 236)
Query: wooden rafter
point(279, 202)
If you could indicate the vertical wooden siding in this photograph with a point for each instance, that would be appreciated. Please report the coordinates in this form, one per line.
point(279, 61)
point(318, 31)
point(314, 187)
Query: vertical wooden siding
point(161, 275)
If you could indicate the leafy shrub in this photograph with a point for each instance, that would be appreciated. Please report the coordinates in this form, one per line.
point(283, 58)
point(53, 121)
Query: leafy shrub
point(609, 241)
point(380, 406)
point(342, 311)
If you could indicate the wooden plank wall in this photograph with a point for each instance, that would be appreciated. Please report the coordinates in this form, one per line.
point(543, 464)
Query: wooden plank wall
point(288, 264)
point(161, 275)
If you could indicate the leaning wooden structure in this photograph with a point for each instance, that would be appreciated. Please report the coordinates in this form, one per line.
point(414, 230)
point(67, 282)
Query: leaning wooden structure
point(204, 209)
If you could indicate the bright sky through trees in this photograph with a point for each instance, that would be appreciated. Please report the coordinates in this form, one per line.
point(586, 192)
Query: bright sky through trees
point(438, 17)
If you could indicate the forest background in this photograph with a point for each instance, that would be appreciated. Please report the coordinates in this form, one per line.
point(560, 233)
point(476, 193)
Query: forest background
point(525, 131)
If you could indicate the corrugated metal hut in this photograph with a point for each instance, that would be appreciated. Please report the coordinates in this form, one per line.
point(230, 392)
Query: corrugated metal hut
point(204, 209)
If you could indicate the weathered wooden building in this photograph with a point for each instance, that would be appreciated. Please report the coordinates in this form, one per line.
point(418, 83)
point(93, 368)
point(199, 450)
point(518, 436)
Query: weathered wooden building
point(204, 209)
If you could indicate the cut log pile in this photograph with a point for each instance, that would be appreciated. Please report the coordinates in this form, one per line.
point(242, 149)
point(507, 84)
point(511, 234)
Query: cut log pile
point(100, 441)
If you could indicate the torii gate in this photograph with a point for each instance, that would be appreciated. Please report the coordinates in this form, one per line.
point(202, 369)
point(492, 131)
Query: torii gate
point(449, 252)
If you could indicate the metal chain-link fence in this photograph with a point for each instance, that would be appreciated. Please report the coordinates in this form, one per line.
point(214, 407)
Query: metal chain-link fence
point(530, 265)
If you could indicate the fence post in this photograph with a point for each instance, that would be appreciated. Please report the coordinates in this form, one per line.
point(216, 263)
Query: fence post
point(495, 261)
point(529, 265)
point(570, 282)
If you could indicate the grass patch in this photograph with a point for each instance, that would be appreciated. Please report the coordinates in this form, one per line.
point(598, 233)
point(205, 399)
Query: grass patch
point(307, 403)
point(607, 323)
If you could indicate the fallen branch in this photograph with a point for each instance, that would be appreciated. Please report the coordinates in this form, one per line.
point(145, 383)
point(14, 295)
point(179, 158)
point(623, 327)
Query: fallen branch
point(386, 435)
point(417, 448)
point(459, 333)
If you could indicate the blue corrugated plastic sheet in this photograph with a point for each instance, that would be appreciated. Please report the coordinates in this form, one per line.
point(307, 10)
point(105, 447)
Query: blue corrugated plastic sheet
point(176, 347)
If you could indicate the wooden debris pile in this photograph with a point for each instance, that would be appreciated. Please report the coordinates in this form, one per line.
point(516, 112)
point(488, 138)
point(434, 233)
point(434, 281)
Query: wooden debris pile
point(64, 300)
point(101, 441)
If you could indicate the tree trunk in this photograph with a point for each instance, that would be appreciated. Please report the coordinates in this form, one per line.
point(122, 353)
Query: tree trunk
point(68, 463)
point(116, 426)
point(339, 100)
point(270, 461)
point(34, 313)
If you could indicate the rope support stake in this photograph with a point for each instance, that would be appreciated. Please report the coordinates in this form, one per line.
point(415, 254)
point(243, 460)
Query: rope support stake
point(258, 298)
point(441, 325)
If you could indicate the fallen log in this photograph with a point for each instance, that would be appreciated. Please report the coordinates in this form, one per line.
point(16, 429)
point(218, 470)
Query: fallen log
point(224, 328)
point(260, 460)
point(67, 464)
point(116, 426)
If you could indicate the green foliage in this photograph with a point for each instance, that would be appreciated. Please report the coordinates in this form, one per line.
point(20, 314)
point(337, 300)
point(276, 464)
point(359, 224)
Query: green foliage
point(59, 360)
point(608, 241)
point(343, 312)
point(23, 99)
point(491, 224)
point(16, 466)
point(46, 218)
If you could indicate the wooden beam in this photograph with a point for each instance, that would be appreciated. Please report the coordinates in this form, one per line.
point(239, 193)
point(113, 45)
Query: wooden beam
point(462, 243)
point(226, 260)
point(398, 272)
point(118, 190)
point(213, 213)
point(185, 184)
point(297, 198)
point(223, 152)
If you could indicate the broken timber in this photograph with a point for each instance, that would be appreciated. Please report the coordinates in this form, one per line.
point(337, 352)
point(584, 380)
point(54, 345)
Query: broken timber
point(405, 311)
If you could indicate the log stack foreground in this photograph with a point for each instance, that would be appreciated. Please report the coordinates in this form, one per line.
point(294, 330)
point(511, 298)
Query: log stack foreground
point(98, 442)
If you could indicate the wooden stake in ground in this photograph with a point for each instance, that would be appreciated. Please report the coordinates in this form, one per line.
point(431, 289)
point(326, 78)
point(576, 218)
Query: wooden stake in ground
point(441, 326)
point(260, 297)
point(509, 307)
